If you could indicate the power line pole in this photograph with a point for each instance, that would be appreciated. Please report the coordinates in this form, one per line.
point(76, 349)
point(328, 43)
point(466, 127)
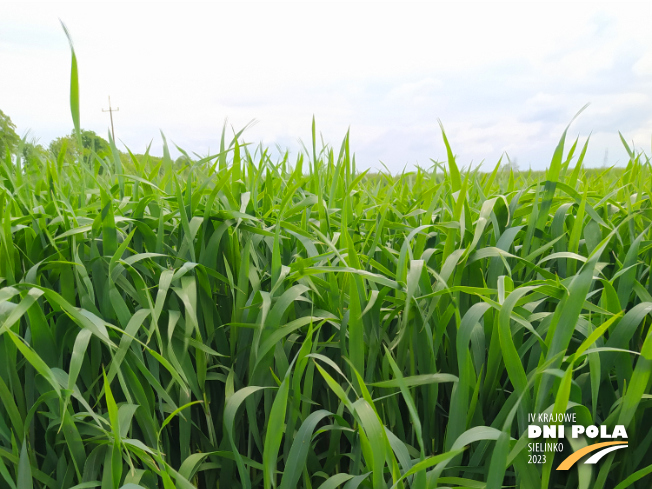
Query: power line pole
point(111, 111)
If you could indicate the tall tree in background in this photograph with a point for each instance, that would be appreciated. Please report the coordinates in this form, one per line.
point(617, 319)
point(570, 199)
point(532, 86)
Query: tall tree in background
point(90, 141)
point(8, 137)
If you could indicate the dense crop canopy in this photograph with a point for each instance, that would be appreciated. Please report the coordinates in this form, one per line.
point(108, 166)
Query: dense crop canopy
point(237, 322)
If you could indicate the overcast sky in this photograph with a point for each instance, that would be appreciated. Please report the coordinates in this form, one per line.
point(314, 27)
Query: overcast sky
point(502, 77)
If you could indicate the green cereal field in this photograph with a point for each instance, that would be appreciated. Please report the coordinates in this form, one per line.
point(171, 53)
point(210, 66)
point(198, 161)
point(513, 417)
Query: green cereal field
point(247, 321)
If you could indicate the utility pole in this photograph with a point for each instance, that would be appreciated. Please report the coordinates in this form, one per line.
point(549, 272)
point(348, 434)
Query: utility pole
point(111, 111)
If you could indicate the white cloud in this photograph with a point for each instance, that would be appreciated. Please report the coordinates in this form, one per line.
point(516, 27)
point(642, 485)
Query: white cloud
point(501, 76)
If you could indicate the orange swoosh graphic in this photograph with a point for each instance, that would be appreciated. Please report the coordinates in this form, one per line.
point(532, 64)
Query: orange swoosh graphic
point(568, 463)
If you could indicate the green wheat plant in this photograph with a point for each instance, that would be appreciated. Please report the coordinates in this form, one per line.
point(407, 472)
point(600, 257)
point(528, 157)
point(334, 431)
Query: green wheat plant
point(239, 321)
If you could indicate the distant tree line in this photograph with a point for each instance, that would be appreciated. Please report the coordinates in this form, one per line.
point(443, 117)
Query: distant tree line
point(65, 147)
